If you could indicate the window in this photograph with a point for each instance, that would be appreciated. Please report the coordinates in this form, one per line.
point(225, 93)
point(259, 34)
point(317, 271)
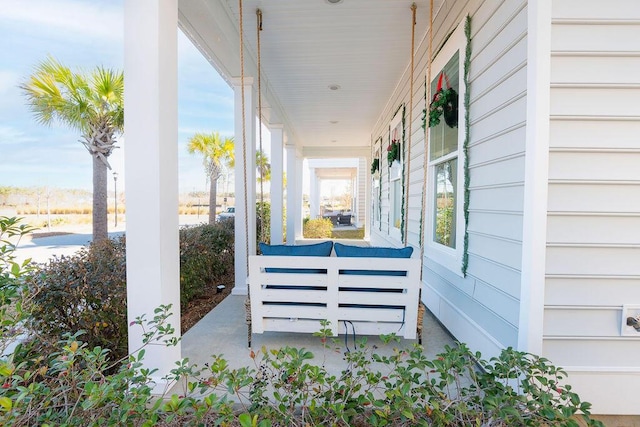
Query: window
point(375, 188)
point(445, 229)
point(395, 177)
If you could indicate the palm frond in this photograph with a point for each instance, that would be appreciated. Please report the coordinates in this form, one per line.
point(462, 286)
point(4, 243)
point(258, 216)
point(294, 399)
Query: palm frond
point(216, 151)
point(55, 93)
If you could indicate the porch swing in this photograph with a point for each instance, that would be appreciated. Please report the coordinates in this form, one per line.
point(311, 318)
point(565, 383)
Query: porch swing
point(411, 268)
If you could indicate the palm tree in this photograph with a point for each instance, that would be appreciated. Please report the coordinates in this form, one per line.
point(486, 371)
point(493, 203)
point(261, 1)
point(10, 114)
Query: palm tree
point(263, 167)
point(91, 103)
point(216, 152)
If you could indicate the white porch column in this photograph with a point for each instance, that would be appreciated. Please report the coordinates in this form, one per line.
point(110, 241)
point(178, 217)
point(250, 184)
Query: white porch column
point(151, 171)
point(241, 254)
point(277, 139)
point(291, 193)
point(314, 194)
point(298, 200)
point(362, 180)
point(367, 198)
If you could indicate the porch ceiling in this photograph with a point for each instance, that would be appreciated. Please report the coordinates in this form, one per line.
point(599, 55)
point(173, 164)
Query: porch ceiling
point(363, 46)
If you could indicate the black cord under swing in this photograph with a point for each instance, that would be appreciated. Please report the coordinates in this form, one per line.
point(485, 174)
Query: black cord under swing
point(346, 335)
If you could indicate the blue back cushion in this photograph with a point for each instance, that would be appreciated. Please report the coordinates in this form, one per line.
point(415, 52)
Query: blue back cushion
point(372, 252)
point(318, 249)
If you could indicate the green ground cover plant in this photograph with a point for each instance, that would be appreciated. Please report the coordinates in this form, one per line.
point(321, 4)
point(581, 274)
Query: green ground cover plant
point(76, 384)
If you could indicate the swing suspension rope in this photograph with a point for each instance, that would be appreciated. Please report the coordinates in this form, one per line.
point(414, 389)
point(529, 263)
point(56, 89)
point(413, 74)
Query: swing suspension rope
point(425, 157)
point(244, 173)
point(262, 158)
point(408, 173)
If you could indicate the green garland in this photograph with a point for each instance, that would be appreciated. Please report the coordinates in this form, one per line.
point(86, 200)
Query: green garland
point(424, 186)
point(465, 145)
point(402, 183)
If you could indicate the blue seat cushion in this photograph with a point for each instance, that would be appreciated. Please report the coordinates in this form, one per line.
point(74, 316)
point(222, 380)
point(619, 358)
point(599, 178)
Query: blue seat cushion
point(372, 252)
point(317, 249)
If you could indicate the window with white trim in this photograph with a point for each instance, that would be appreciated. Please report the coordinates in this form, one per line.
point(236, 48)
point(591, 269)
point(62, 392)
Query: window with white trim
point(445, 226)
point(395, 177)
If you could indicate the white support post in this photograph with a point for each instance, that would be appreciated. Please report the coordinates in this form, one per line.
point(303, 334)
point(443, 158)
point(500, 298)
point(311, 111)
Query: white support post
point(366, 214)
point(314, 194)
point(277, 140)
point(298, 199)
point(291, 193)
point(151, 172)
point(241, 236)
point(534, 244)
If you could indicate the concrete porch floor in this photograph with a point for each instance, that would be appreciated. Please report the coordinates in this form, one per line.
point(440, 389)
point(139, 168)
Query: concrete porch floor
point(224, 331)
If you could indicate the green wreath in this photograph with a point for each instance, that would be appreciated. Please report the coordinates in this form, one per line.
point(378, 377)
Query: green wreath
point(393, 152)
point(375, 166)
point(444, 103)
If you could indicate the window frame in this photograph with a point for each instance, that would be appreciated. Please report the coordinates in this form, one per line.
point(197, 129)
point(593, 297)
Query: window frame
point(375, 185)
point(395, 175)
point(450, 258)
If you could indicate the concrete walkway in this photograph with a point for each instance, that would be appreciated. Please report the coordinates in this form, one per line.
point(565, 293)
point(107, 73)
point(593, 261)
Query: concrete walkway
point(41, 249)
point(224, 331)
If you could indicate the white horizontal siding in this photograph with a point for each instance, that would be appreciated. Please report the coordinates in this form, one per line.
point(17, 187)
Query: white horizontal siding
point(594, 260)
point(595, 36)
point(590, 290)
point(590, 132)
point(618, 353)
point(488, 296)
point(581, 322)
point(593, 224)
point(498, 224)
point(579, 228)
point(595, 68)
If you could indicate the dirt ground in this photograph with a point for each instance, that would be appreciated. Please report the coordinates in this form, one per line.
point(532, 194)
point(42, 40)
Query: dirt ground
point(198, 308)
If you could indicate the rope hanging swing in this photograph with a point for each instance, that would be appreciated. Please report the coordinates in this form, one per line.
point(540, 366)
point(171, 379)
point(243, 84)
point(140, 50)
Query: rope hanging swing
point(244, 151)
point(421, 307)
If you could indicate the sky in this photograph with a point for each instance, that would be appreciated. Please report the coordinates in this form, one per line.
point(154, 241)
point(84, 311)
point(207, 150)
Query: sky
point(83, 34)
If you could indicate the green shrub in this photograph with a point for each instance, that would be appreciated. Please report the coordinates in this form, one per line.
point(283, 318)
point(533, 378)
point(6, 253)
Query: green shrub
point(84, 292)
point(14, 300)
point(288, 388)
point(206, 258)
point(319, 228)
point(263, 222)
point(87, 291)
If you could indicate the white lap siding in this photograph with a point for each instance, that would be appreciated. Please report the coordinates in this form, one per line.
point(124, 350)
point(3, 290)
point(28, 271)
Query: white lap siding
point(481, 309)
point(593, 222)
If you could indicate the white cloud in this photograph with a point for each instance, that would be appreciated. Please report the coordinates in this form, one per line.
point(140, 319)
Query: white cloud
point(8, 81)
point(10, 135)
point(86, 18)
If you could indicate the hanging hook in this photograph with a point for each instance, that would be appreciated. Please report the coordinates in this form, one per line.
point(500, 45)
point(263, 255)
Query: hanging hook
point(259, 14)
point(414, 7)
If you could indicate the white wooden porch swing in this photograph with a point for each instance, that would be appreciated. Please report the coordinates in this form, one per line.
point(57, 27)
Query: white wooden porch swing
point(366, 291)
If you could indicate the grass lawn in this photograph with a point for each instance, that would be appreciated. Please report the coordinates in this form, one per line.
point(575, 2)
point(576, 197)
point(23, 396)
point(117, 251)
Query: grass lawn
point(348, 234)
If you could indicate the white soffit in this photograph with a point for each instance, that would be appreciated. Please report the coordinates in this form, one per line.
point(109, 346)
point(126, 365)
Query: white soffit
point(363, 46)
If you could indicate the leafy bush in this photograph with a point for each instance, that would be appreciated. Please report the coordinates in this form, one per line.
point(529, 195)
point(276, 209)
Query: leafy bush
point(319, 228)
point(288, 389)
point(86, 291)
point(14, 299)
point(263, 222)
point(76, 385)
point(206, 257)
